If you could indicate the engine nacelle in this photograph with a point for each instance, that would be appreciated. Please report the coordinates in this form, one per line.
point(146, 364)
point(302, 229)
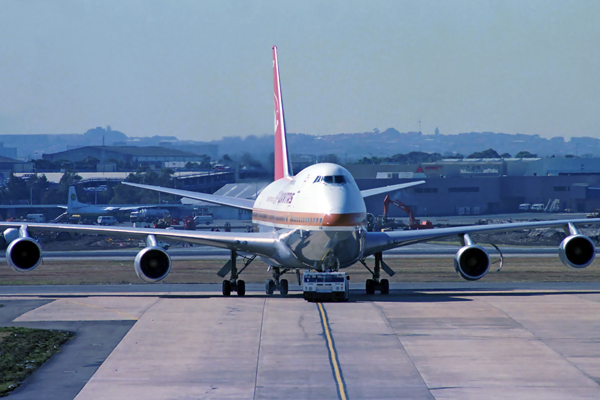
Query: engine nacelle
point(472, 262)
point(577, 251)
point(23, 254)
point(152, 264)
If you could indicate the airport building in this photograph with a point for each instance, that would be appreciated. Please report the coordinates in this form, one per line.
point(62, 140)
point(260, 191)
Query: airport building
point(128, 155)
point(486, 186)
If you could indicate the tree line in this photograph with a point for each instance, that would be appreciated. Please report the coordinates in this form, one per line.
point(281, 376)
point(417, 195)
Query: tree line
point(36, 189)
point(419, 157)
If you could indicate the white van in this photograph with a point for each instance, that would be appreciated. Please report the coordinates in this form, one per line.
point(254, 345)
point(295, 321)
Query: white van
point(524, 207)
point(538, 207)
point(36, 218)
point(107, 220)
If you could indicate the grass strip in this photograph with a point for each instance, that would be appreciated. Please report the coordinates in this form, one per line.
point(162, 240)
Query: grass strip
point(23, 350)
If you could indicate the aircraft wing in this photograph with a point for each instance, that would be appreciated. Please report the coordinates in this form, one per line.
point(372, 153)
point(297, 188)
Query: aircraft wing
point(135, 208)
point(110, 208)
point(209, 198)
point(381, 241)
point(248, 242)
point(387, 189)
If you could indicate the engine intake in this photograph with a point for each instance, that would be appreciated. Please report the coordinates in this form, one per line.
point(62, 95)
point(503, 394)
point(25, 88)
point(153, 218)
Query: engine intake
point(577, 251)
point(472, 262)
point(23, 254)
point(152, 264)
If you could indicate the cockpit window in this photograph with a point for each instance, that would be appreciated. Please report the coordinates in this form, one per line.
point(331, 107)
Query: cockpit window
point(339, 179)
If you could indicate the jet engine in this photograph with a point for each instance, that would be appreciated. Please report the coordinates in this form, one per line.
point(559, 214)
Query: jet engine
point(472, 262)
point(152, 264)
point(23, 253)
point(576, 251)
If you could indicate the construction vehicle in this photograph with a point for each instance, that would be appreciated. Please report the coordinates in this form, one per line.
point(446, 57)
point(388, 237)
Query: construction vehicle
point(413, 223)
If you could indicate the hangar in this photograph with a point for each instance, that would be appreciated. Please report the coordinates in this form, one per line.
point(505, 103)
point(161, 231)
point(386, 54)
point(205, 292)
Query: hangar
point(128, 155)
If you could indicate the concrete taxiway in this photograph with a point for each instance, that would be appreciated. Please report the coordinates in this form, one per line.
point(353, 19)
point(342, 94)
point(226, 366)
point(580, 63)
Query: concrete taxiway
point(423, 341)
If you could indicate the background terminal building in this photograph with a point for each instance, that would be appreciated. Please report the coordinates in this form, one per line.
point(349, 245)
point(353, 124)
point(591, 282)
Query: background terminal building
point(485, 186)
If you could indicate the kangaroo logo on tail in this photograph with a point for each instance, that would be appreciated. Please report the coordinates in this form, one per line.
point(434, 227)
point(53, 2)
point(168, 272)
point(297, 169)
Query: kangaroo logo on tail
point(283, 166)
point(72, 201)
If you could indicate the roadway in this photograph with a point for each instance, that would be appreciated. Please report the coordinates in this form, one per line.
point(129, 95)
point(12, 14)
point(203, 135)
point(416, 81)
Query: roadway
point(423, 341)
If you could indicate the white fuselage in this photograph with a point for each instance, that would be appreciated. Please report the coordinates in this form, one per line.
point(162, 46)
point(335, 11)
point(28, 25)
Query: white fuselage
point(319, 214)
point(87, 209)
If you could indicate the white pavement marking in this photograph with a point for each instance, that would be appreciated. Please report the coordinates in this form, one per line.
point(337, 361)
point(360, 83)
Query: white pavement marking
point(90, 309)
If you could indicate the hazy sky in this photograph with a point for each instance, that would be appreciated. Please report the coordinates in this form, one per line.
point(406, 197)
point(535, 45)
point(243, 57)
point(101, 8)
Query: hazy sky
point(202, 69)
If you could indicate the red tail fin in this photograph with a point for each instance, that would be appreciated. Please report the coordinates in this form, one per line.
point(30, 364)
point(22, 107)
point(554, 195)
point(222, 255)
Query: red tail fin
point(282, 161)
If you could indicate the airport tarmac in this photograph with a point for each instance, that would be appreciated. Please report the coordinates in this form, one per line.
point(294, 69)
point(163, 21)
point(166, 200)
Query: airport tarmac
point(423, 341)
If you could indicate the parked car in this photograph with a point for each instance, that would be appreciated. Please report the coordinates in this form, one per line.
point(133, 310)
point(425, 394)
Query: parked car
point(107, 220)
point(524, 207)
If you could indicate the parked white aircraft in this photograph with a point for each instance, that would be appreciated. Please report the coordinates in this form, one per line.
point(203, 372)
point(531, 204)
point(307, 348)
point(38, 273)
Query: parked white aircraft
point(313, 220)
point(74, 206)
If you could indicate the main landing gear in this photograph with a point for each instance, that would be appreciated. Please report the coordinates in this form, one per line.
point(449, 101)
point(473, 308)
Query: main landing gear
point(375, 284)
point(234, 284)
point(277, 284)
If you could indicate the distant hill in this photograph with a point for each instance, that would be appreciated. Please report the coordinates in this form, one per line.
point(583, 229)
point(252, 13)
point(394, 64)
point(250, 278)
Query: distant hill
point(352, 146)
point(347, 146)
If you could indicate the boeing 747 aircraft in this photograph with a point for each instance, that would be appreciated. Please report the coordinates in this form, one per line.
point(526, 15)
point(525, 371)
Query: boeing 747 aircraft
point(315, 220)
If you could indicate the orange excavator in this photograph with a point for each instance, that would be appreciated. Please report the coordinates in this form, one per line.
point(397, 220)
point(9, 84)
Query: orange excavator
point(413, 223)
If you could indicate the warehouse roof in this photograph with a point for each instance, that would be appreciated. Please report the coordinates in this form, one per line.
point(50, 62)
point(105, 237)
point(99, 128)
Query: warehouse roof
point(137, 151)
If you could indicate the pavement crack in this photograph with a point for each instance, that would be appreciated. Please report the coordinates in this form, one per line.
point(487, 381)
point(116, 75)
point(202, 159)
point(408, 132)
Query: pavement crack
point(398, 338)
point(562, 356)
point(149, 308)
point(262, 320)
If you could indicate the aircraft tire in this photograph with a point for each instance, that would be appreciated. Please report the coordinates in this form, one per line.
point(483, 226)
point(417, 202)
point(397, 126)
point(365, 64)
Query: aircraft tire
point(226, 288)
point(241, 288)
point(384, 287)
point(283, 290)
point(270, 286)
point(370, 286)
